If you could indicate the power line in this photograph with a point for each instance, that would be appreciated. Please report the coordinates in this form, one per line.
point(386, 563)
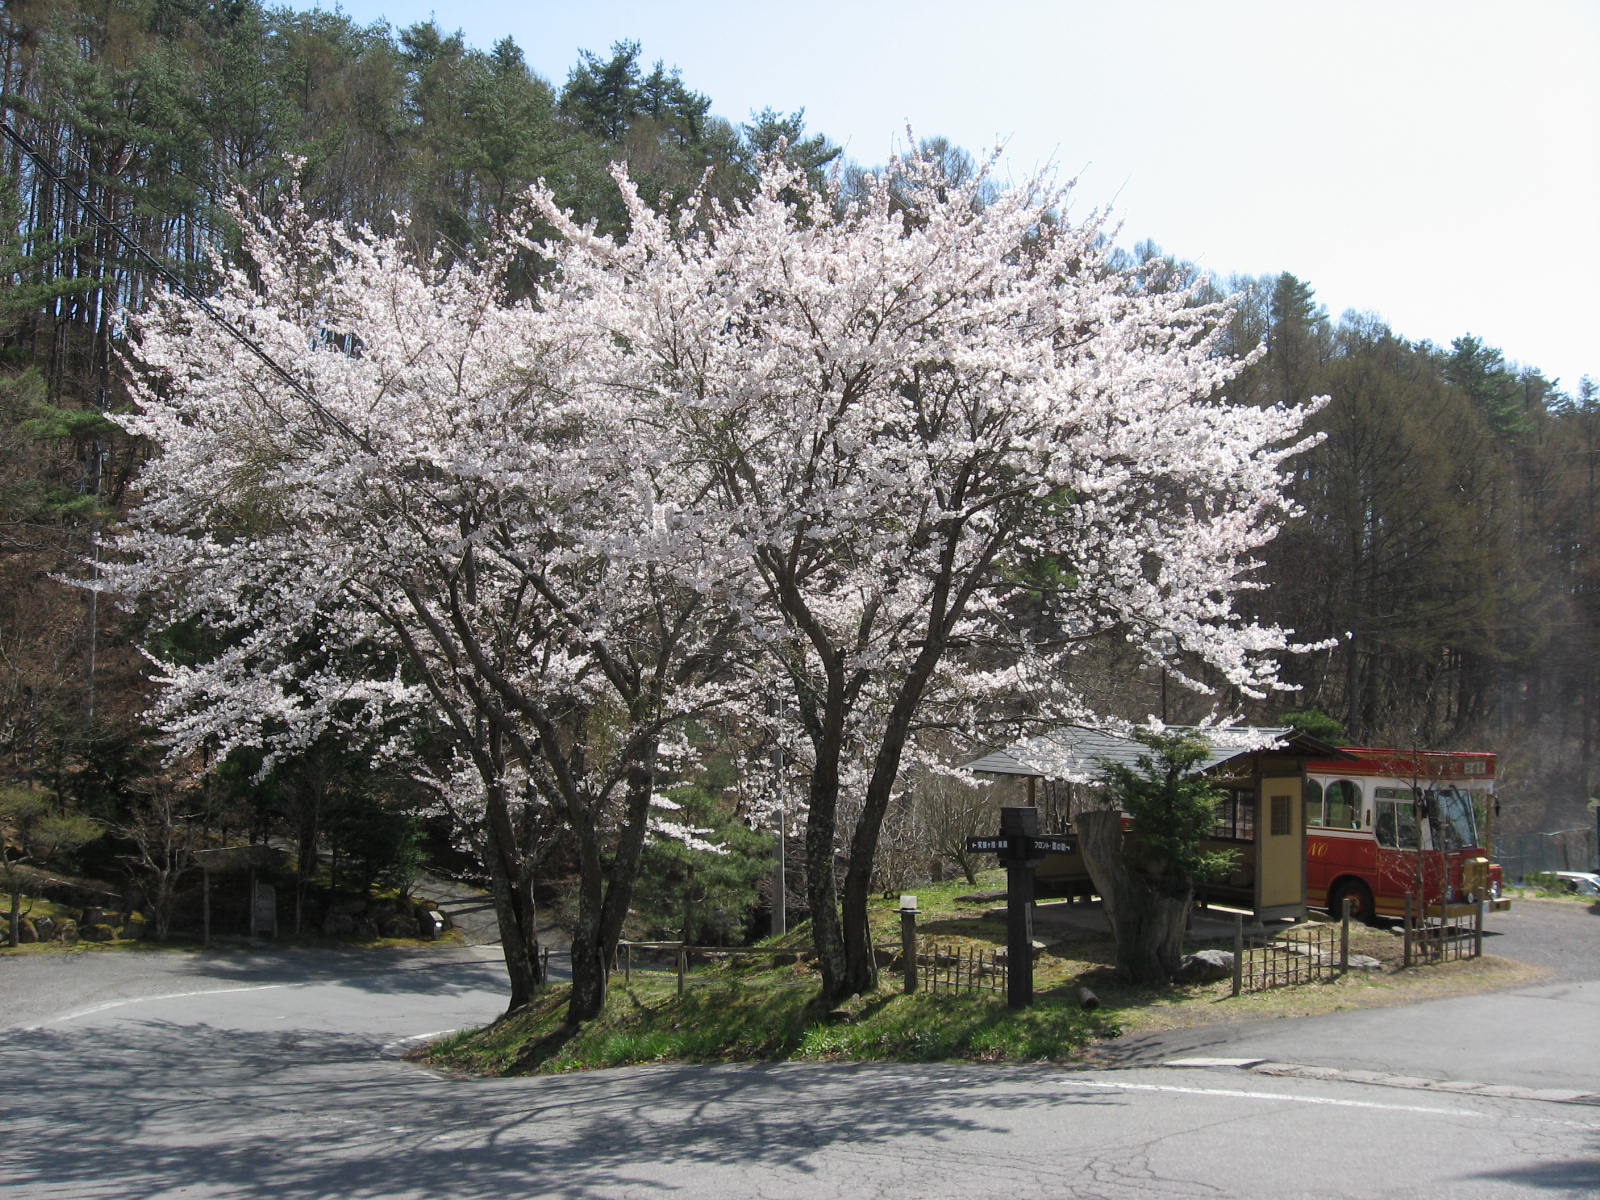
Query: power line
point(126, 239)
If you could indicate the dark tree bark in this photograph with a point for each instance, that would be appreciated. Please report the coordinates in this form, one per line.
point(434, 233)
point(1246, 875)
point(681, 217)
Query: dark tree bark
point(1147, 912)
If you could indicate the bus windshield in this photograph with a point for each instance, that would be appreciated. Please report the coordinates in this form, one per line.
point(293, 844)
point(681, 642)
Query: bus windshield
point(1450, 819)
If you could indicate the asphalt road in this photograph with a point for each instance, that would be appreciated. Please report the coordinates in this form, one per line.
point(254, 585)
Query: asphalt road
point(1542, 1038)
point(256, 1075)
point(1562, 936)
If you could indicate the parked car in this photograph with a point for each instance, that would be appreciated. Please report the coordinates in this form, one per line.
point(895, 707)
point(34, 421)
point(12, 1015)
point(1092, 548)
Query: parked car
point(1579, 883)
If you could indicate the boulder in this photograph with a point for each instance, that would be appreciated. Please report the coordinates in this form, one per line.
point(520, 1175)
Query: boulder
point(1205, 966)
point(338, 924)
point(1003, 952)
point(45, 928)
point(396, 926)
point(97, 932)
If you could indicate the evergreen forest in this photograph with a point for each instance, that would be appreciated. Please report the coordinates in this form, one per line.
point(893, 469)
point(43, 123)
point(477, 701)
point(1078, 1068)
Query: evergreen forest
point(1448, 534)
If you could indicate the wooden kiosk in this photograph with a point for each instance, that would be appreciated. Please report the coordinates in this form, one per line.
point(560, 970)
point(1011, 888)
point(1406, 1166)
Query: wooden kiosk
point(1261, 818)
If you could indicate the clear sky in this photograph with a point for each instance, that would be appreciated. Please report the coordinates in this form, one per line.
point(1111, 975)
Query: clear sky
point(1436, 162)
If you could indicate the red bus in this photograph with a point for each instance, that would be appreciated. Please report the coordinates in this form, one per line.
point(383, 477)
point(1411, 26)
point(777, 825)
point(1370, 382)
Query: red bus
point(1393, 823)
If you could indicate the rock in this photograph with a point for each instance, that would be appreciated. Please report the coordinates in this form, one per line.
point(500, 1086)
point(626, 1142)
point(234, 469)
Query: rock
point(1002, 953)
point(1205, 966)
point(26, 930)
point(93, 916)
point(67, 932)
point(97, 932)
point(338, 924)
point(45, 928)
point(396, 926)
point(1364, 962)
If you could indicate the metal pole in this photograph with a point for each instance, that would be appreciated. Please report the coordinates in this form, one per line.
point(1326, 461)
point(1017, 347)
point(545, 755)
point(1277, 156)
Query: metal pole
point(1238, 954)
point(908, 947)
point(1344, 933)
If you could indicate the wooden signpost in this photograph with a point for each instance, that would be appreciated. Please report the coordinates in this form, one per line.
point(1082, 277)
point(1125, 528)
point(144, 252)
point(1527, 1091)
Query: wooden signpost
point(1021, 848)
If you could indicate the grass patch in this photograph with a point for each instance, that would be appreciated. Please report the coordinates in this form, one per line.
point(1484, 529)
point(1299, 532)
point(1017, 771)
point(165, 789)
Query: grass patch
point(744, 1010)
point(766, 1016)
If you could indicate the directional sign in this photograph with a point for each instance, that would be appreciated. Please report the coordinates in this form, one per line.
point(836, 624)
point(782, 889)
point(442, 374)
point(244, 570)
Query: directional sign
point(1030, 846)
point(1051, 845)
point(988, 845)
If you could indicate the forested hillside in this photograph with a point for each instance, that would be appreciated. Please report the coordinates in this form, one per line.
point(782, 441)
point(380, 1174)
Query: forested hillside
point(1448, 533)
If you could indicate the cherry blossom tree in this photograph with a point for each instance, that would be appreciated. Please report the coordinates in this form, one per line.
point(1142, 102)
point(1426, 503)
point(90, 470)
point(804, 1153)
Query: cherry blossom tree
point(939, 446)
point(842, 468)
point(402, 510)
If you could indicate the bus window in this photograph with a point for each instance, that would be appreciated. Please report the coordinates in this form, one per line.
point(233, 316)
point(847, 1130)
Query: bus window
point(1313, 795)
point(1344, 804)
point(1450, 815)
point(1396, 821)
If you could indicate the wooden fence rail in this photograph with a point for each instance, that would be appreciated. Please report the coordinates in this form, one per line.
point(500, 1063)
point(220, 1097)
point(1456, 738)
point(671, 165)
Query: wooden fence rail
point(961, 969)
point(1304, 954)
point(682, 953)
point(1442, 933)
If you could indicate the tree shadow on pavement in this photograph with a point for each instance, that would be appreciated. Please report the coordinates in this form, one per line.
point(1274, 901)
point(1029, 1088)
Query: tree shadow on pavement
point(140, 1111)
point(377, 970)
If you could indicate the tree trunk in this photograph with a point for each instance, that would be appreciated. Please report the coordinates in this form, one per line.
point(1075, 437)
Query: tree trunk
point(1147, 915)
point(591, 970)
point(514, 907)
point(605, 893)
point(860, 962)
point(822, 891)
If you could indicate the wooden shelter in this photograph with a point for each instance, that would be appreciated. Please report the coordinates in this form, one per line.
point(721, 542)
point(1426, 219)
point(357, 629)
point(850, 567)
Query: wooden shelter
point(1260, 771)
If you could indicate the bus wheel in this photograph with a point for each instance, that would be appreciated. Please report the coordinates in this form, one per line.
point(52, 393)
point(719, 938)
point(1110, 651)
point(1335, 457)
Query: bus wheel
point(1360, 896)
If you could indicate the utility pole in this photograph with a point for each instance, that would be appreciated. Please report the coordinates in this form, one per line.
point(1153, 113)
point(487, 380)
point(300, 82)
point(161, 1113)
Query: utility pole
point(780, 879)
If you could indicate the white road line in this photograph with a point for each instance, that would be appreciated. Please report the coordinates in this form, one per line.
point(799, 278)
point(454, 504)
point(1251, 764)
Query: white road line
point(110, 1004)
point(1239, 1094)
